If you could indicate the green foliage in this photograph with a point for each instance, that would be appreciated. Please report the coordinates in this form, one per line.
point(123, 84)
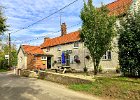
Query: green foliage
point(97, 31)
point(3, 70)
point(129, 44)
point(3, 61)
point(100, 69)
point(3, 26)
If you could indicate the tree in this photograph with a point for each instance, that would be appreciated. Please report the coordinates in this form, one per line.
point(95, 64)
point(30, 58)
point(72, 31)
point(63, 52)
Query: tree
point(3, 26)
point(97, 31)
point(3, 61)
point(129, 44)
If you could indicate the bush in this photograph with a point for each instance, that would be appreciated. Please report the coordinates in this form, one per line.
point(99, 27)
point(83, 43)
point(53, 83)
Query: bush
point(129, 44)
point(118, 69)
point(25, 73)
point(42, 75)
point(100, 69)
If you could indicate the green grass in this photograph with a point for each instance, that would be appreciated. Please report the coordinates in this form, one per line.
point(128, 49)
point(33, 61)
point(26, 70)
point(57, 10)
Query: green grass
point(116, 87)
point(3, 70)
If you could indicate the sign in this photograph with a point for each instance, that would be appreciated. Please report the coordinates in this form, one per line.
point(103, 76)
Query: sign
point(6, 56)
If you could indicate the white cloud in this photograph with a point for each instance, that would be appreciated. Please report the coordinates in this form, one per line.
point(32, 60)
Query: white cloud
point(21, 13)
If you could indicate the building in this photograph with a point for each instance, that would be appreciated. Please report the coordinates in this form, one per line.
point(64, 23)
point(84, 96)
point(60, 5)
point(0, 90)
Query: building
point(69, 50)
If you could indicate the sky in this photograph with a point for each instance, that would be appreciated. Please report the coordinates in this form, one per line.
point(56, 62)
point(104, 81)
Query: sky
point(21, 13)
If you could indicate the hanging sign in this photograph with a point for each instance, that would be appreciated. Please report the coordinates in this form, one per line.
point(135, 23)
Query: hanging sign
point(6, 56)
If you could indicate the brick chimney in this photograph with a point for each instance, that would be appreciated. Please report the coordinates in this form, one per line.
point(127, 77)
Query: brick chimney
point(46, 38)
point(63, 29)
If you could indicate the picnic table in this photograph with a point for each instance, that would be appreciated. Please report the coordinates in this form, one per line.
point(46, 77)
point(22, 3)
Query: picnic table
point(62, 68)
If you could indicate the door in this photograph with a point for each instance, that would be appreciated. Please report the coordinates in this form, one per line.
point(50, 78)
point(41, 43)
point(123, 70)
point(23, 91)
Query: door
point(48, 62)
point(67, 56)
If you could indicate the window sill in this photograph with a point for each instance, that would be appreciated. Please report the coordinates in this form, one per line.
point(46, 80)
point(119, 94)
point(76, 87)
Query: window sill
point(75, 47)
point(43, 59)
point(106, 60)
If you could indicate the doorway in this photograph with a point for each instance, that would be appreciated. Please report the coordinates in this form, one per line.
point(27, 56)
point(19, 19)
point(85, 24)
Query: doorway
point(49, 63)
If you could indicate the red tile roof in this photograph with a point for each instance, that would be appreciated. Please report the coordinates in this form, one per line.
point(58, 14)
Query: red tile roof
point(71, 37)
point(116, 8)
point(32, 49)
point(119, 7)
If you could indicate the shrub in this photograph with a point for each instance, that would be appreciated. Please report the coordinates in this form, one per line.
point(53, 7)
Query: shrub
point(100, 69)
point(42, 75)
point(118, 69)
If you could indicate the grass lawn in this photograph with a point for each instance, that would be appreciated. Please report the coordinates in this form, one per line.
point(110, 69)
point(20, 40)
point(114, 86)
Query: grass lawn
point(3, 70)
point(115, 87)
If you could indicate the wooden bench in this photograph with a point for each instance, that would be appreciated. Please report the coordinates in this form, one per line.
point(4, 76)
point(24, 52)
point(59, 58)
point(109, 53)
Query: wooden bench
point(62, 69)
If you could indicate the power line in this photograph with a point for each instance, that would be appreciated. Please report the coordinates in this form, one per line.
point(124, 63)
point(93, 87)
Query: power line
point(46, 16)
point(46, 35)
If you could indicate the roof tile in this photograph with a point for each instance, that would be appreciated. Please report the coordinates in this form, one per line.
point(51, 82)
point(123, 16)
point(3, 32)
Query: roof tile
point(32, 49)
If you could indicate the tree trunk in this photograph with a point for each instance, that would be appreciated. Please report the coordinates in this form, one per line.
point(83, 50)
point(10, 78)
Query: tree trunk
point(95, 67)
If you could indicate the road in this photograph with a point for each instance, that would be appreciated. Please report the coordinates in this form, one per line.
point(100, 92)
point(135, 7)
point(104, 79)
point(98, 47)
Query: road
point(13, 87)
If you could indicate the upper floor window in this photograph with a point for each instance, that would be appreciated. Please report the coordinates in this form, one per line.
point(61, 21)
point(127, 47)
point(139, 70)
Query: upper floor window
point(59, 48)
point(76, 44)
point(48, 49)
point(107, 55)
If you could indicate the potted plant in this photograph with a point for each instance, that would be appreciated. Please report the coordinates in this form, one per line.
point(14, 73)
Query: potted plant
point(87, 57)
point(54, 62)
point(77, 61)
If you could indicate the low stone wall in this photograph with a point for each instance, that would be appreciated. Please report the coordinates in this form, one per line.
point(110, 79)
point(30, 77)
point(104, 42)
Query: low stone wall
point(65, 79)
point(55, 77)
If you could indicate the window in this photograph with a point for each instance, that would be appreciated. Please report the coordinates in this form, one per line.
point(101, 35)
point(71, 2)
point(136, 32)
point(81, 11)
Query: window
point(107, 56)
point(59, 48)
point(59, 60)
point(67, 56)
point(76, 44)
point(48, 49)
point(44, 58)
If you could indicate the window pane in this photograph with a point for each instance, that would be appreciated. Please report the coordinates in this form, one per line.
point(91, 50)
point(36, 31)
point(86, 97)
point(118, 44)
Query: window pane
point(76, 44)
point(109, 55)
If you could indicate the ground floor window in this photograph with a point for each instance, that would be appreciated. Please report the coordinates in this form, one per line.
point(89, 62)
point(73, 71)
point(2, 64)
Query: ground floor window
point(107, 55)
point(59, 60)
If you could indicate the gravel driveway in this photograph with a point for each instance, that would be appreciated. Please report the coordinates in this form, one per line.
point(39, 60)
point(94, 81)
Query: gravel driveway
point(19, 88)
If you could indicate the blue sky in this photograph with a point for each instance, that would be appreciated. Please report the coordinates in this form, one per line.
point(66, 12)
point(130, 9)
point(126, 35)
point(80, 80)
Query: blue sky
point(21, 13)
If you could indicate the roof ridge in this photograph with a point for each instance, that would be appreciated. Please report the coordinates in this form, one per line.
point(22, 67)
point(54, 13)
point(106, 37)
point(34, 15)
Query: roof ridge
point(63, 35)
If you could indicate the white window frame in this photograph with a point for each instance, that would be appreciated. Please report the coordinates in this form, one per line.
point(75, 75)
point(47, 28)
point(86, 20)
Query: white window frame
point(76, 46)
point(43, 58)
point(106, 55)
point(47, 49)
point(59, 48)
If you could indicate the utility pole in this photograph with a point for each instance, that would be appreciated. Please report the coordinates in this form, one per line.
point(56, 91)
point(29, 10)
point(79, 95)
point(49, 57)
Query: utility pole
point(9, 51)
